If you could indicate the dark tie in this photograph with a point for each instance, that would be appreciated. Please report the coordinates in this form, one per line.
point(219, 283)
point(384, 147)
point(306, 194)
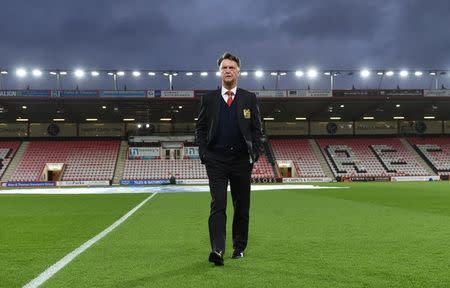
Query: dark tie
point(230, 97)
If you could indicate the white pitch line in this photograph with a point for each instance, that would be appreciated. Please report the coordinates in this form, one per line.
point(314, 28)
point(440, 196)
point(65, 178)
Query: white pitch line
point(149, 189)
point(52, 270)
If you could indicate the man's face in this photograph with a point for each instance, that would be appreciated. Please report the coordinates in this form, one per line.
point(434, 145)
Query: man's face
point(229, 72)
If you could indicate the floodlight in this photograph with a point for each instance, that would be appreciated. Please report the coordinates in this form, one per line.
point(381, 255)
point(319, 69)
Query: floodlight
point(312, 73)
point(21, 72)
point(37, 73)
point(404, 73)
point(299, 73)
point(365, 73)
point(79, 73)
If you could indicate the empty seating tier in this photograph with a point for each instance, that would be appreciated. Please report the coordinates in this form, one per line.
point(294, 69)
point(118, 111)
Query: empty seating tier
point(435, 151)
point(298, 151)
point(370, 157)
point(7, 151)
point(84, 159)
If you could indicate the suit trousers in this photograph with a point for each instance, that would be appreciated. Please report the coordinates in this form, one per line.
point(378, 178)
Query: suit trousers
point(235, 169)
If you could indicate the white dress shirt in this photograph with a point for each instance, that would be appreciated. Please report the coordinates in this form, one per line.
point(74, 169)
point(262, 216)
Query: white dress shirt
point(224, 93)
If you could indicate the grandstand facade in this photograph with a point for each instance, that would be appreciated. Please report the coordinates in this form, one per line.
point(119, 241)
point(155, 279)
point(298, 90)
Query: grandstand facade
point(142, 137)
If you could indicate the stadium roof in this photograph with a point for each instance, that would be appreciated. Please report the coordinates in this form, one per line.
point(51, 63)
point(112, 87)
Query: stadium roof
point(185, 109)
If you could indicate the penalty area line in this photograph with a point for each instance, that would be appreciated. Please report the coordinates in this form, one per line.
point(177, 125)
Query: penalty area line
point(52, 270)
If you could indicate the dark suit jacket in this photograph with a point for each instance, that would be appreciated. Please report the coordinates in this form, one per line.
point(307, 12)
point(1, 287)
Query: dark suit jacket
point(249, 121)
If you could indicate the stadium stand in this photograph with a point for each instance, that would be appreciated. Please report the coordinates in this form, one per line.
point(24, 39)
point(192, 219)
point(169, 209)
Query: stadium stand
point(7, 151)
point(435, 151)
point(298, 151)
point(263, 168)
point(370, 157)
point(164, 169)
point(83, 160)
point(138, 169)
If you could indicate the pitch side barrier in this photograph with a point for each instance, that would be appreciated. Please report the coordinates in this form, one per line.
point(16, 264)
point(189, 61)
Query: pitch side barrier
point(389, 178)
point(55, 183)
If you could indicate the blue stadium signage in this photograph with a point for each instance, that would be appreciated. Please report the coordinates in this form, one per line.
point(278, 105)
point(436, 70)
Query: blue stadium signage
point(8, 93)
point(29, 184)
point(145, 182)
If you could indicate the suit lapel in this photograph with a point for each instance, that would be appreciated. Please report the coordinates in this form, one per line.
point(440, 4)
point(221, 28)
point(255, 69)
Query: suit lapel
point(239, 107)
point(216, 109)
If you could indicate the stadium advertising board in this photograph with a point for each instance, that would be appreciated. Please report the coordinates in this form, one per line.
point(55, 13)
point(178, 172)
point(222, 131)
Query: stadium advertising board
point(192, 181)
point(150, 93)
point(378, 93)
point(269, 93)
point(287, 128)
point(25, 93)
point(363, 179)
point(75, 93)
point(415, 178)
point(309, 93)
point(144, 182)
point(191, 152)
point(265, 180)
point(437, 93)
point(310, 179)
point(331, 128)
point(201, 93)
point(13, 130)
point(101, 129)
point(29, 184)
point(8, 93)
point(124, 94)
point(175, 94)
point(82, 183)
point(400, 92)
point(144, 153)
point(356, 93)
point(34, 93)
point(376, 127)
point(53, 130)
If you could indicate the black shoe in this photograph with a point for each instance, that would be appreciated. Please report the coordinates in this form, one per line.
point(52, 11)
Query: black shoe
point(237, 254)
point(216, 257)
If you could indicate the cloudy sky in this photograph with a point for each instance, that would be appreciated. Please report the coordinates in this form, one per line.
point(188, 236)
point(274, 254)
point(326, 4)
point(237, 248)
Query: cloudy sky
point(191, 34)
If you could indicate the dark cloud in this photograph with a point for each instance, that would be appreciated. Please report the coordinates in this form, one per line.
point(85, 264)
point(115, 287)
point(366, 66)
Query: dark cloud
point(334, 20)
point(266, 34)
point(417, 35)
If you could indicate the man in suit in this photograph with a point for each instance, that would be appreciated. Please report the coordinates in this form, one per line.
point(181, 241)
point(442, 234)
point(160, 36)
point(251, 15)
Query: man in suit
point(229, 136)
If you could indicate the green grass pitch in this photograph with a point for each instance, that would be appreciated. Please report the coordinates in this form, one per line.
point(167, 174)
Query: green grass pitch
point(369, 235)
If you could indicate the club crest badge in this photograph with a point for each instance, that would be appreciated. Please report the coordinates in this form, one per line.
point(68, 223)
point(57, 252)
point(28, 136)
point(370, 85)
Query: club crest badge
point(247, 114)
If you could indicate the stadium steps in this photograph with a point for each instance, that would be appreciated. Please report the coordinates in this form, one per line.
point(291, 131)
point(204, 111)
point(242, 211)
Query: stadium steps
point(15, 161)
point(270, 156)
point(417, 156)
point(321, 158)
point(120, 163)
